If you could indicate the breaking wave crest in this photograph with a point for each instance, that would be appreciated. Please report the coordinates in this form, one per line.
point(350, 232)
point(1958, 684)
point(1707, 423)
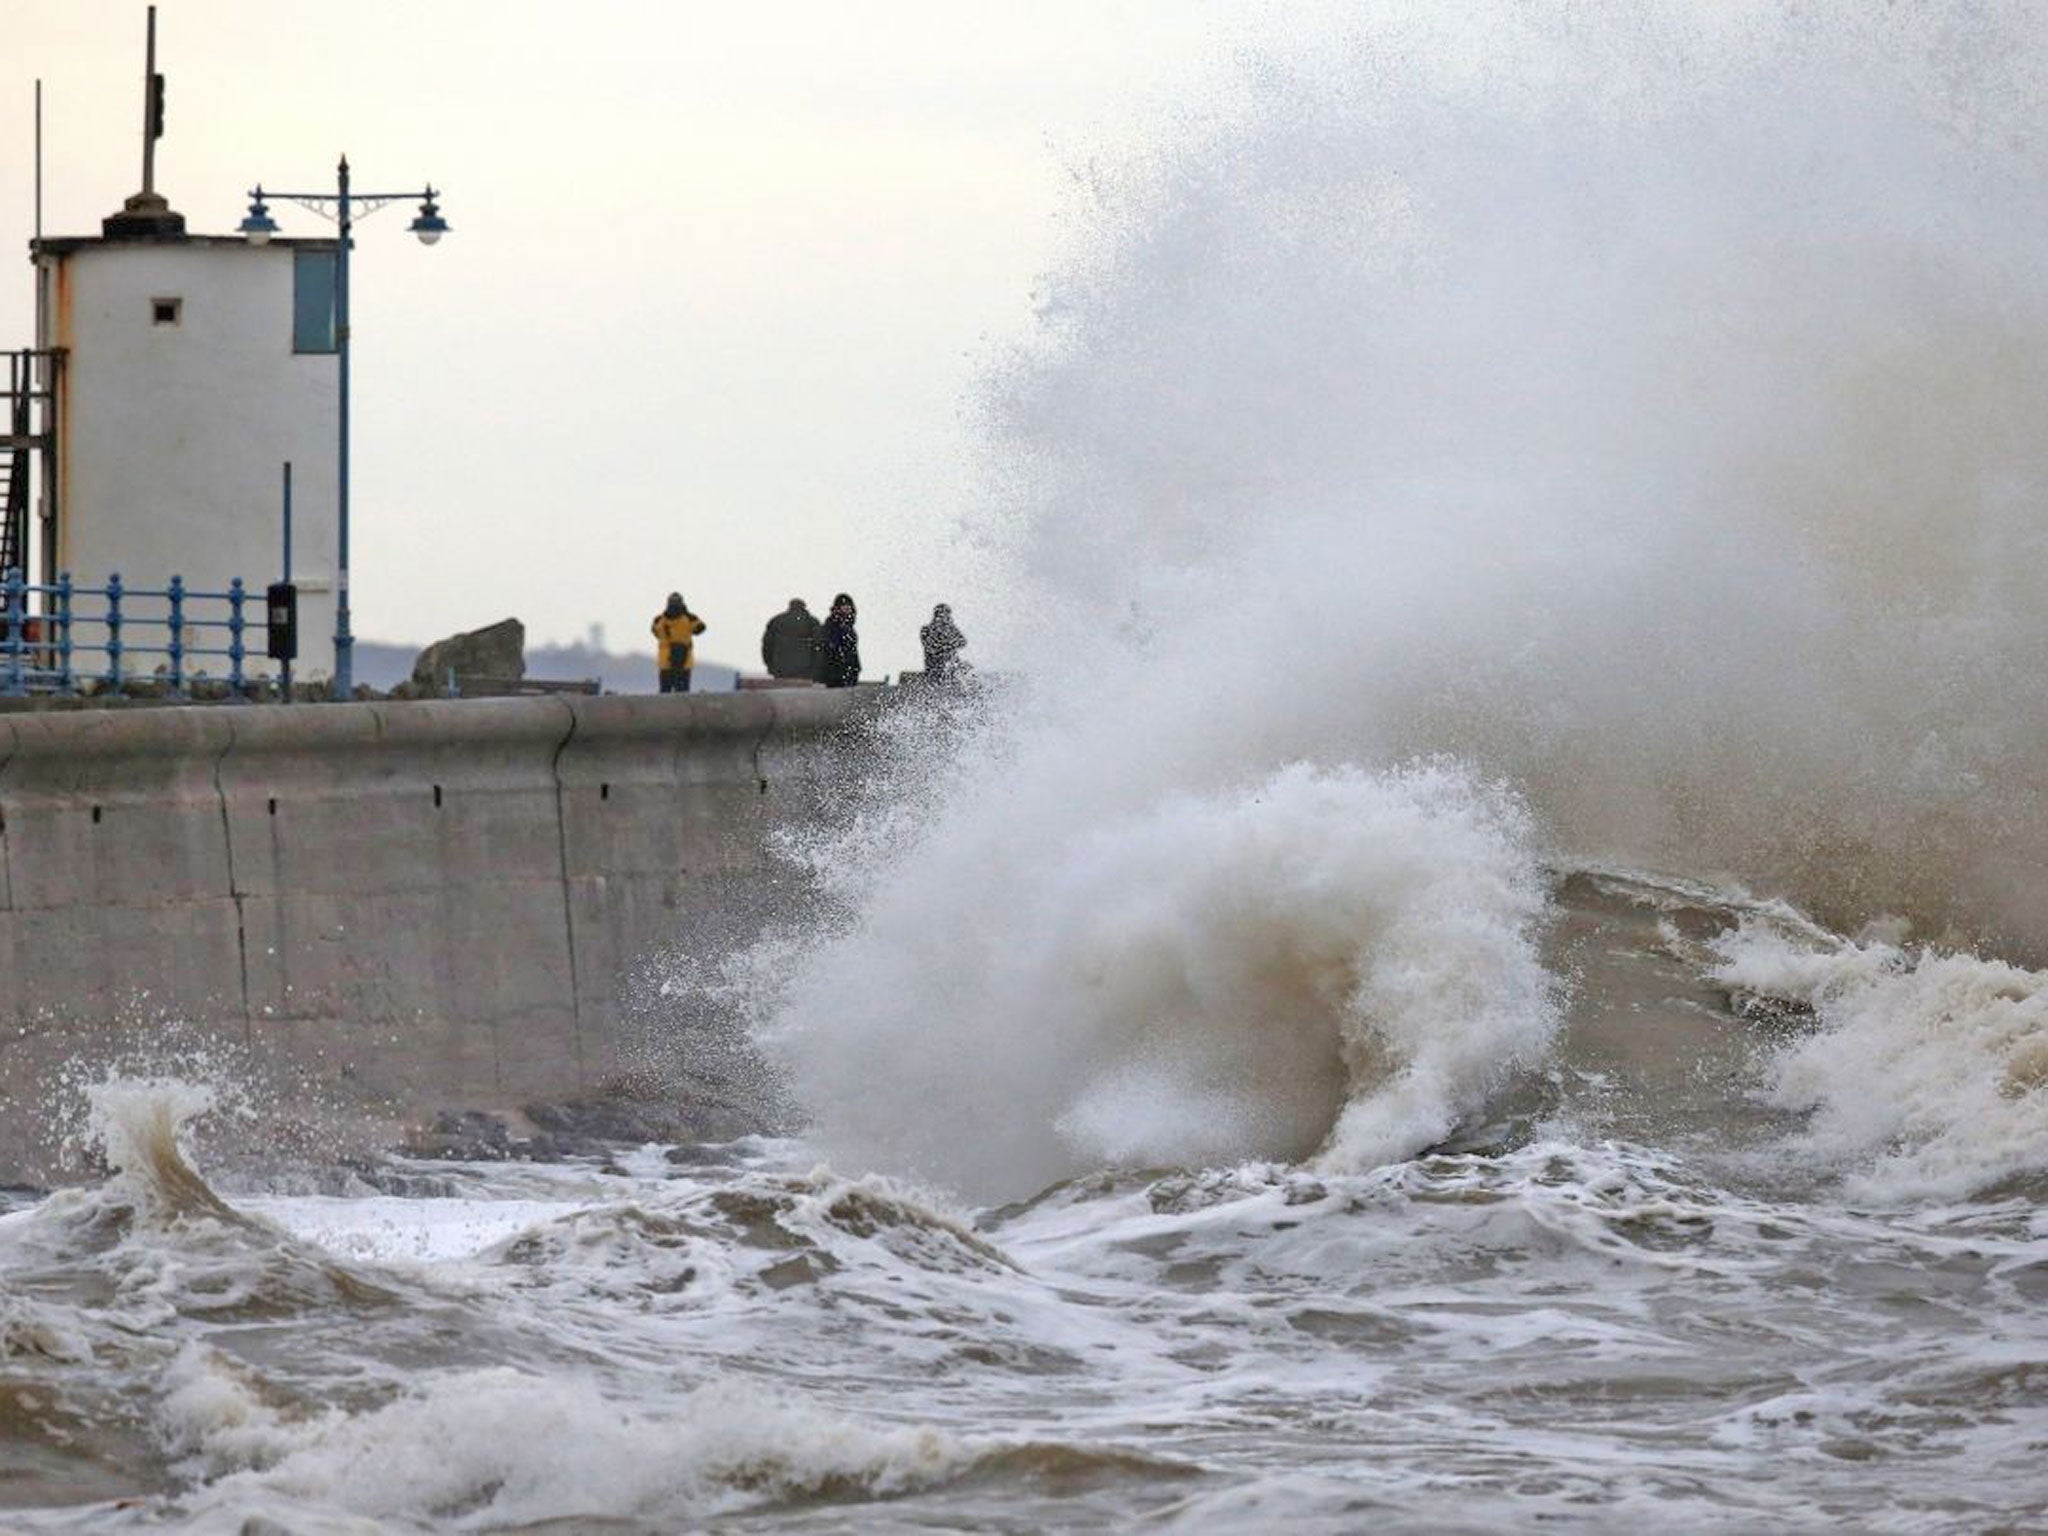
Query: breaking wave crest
point(140, 1126)
point(497, 1447)
point(1328, 962)
point(1926, 1071)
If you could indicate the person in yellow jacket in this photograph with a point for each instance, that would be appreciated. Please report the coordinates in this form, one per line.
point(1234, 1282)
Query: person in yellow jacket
point(676, 630)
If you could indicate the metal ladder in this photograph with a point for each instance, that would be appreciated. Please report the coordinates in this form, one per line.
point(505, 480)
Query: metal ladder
point(14, 472)
point(18, 441)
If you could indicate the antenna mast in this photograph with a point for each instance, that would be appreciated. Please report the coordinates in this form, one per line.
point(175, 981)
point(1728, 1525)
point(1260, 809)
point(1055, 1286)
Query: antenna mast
point(151, 85)
point(146, 215)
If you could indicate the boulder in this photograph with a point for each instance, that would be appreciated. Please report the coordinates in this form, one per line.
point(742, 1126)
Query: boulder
point(496, 651)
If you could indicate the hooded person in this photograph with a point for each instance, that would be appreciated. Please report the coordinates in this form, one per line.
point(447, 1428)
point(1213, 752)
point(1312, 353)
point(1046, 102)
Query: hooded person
point(675, 632)
point(790, 643)
point(942, 643)
point(839, 646)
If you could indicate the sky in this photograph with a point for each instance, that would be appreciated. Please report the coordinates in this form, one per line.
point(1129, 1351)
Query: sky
point(720, 282)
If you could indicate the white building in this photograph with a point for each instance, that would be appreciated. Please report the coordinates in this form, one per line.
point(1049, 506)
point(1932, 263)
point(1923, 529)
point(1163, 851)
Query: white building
point(189, 369)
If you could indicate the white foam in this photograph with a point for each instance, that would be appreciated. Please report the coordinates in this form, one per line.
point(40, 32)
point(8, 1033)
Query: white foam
point(1928, 1073)
point(500, 1447)
point(1204, 978)
point(212, 1414)
point(388, 1229)
point(33, 1330)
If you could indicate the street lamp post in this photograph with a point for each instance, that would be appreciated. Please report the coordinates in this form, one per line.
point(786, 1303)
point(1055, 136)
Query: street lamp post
point(343, 206)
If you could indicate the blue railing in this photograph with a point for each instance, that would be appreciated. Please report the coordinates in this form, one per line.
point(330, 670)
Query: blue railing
point(48, 629)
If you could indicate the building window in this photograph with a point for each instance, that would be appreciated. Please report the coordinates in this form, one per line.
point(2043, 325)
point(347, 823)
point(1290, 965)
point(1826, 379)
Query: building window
point(166, 311)
point(313, 301)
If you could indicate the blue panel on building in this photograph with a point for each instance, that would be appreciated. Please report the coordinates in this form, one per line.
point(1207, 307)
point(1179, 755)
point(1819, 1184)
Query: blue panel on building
point(313, 301)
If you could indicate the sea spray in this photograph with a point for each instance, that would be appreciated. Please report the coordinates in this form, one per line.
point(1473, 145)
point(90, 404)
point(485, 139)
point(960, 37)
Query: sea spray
point(1643, 414)
point(265, 1110)
point(1213, 977)
point(1645, 410)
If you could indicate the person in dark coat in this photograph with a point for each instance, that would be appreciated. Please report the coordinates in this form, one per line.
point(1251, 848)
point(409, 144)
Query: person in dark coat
point(839, 646)
point(789, 645)
point(943, 644)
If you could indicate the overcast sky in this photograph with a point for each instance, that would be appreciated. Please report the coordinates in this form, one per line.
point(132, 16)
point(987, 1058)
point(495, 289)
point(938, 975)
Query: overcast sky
point(719, 279)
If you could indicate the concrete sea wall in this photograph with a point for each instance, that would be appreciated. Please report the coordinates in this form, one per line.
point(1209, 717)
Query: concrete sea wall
point(411, 906)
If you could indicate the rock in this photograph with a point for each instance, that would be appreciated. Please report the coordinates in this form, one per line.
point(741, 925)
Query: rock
point(465, 1136)
point(495, 651)
point(702, 1154)
point(617, 1116)
point(605, 1120)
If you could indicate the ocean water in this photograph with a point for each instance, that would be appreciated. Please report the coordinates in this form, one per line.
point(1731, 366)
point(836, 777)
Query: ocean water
point(1754, 1243)
point(1480, 966)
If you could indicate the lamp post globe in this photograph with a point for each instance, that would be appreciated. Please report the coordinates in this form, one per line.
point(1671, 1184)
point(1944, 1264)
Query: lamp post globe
point(259, 226)
point(429, 226)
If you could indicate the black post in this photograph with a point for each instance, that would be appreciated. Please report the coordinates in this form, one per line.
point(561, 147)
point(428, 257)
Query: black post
point(282, 602)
